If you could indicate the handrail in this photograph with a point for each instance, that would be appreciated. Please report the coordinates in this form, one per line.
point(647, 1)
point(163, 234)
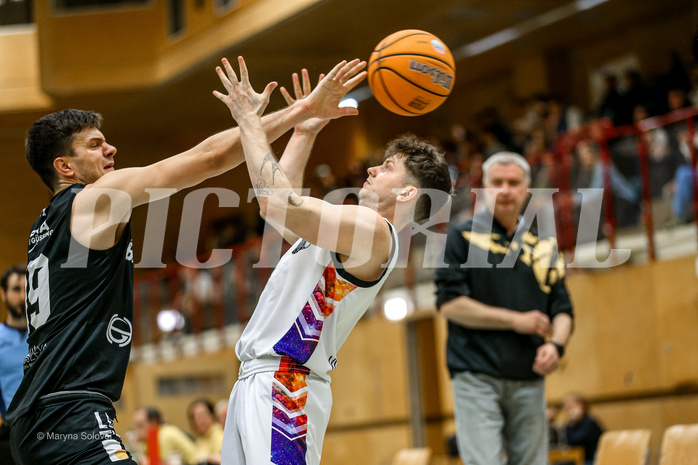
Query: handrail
point(601, 131)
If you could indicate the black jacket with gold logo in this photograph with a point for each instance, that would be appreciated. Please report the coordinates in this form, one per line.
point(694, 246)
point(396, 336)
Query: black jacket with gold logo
point(522, 272)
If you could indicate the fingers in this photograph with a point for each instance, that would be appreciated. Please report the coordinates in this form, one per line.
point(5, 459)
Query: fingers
point(348, 111)
point(224, 79)
point(219, 96)
point(297, 87)
point(306, 82)
point(286, 96)
point(243, 72)
point(268, 90)
point(331, 75)
point(350, 69)
point(231, 76)
point(322, 76)
point(351, 83)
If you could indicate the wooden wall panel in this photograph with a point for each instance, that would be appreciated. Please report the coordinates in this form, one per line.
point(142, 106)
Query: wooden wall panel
point(366, 446)
point(676, 306)
point(142, 387)
point(614, 347)
point(370, 382)
point(20, 87)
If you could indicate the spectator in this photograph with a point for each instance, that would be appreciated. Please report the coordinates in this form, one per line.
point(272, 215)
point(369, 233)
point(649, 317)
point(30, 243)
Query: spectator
point(563, 117)
point(677, 99)
point(172, 441)
point(614, 105)
point(497, 352)
point(637, 92)
point(13, 347)
point(681, 188)
point(589, 174)
point(221, 409)
point(581, 429)
point(208, 432)
point(663, 155)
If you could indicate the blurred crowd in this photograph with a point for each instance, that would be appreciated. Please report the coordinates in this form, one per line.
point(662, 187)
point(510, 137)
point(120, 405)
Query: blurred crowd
point(174, 445)
point(539, 123)
point(538, 127)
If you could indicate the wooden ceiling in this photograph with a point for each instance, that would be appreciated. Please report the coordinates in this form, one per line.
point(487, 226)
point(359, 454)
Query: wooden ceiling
point(333, 30)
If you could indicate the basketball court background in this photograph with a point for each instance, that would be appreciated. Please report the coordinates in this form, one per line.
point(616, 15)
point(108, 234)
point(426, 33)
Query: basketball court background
point(147, 66)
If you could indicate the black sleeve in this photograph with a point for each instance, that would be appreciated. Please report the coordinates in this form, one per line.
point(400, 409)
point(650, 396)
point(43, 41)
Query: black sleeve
point(559, 297)
point(453, 281)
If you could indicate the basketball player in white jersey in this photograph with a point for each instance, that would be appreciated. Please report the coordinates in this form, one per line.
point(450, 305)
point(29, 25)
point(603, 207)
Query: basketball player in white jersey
point(280, 405)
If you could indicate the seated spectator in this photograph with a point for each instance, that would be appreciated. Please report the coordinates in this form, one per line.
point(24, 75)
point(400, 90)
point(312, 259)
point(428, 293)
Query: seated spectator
point(563, 117)
point(174, 443)
point(681, 188)
point(614, 105)
point(208, 431)
point(588, 173)
point(663, 155)
point(581, 430)
point(221, 409)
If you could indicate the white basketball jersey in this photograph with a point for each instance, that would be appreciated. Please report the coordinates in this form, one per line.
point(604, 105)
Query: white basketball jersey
point(306, 311)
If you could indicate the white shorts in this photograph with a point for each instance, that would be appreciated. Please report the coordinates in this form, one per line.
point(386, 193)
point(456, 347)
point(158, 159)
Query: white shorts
point(276, 417)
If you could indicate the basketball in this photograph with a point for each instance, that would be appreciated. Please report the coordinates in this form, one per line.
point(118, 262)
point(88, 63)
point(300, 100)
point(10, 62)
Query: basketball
point(411, 72)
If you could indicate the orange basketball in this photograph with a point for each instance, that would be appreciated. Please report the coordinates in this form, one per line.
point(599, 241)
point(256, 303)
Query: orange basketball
point(411, 72)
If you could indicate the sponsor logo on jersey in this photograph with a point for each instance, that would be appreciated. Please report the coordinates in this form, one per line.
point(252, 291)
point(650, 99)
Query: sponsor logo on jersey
point(119, 331)
point(302, 246)
point(440, 77)
point(333, 362)
point(33, 355)
point(38, 235)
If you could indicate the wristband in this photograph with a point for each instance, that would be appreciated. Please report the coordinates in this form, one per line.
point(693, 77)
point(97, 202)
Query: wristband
point(560, 349)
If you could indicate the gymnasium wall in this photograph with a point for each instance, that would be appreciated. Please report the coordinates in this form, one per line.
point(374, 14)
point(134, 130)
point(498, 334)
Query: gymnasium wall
point(633, 354)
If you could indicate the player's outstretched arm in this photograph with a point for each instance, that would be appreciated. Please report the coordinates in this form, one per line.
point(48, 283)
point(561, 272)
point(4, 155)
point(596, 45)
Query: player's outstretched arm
point(99, 219)
point(297, 152)
point(358, 234)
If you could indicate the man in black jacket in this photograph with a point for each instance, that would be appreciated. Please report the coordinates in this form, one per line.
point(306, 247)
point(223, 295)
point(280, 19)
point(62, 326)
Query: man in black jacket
point(509, 319)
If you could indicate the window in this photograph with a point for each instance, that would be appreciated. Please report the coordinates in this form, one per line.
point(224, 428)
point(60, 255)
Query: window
point(16, 12)
point(191, 384)
point(176, 17)
point(223, 6)
point(77, 5)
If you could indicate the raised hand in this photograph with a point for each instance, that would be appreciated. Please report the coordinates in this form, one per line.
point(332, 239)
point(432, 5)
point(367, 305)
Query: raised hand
point(312, 125)
point(323, 102)
point(241, 98)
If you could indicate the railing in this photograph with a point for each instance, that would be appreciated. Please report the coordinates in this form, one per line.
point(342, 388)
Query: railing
point(207, 299)
point(603, 133)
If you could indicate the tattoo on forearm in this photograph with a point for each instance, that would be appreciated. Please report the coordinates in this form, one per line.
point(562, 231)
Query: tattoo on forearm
point(261, 189)
point(274, 166)
point(296, 202)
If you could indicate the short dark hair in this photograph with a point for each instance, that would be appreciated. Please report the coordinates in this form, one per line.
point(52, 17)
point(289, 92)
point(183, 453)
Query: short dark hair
point(426, 166)
point(20, 269)
point(205, 402)
point(52, 136)
point(153, 415)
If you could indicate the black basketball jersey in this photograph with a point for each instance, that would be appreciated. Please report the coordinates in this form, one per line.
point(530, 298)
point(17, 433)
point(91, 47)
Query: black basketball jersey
point(79, 311)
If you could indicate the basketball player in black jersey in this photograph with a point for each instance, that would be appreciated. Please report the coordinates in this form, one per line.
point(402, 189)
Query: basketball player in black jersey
point(80, 271)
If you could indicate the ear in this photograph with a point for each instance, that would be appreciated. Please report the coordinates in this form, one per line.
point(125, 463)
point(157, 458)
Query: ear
point(408, 193)
point(64, 167)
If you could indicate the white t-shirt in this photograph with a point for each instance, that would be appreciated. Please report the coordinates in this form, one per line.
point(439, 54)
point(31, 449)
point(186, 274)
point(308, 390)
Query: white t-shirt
point(306, 312)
